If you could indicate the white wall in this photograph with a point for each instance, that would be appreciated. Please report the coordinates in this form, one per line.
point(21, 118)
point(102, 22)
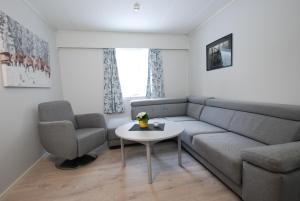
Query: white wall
point(82, 77)
point(83, 39)
point(265, 53)
point(19, 142)
point(175, 65)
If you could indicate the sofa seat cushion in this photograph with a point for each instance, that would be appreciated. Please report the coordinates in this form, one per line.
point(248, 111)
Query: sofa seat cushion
point(223, 151)
point(89, 139)
point(192, 128)
point(180, 118)
point(114, 123)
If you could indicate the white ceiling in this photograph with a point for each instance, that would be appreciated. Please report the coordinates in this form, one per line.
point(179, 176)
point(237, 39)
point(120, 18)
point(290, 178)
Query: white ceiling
point(155, 16)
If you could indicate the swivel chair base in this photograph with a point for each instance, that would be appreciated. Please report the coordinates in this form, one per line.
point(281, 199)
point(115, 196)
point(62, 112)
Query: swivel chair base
point(75, 163)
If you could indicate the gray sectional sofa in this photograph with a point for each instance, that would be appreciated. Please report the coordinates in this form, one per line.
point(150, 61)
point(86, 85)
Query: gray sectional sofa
point(251, 147)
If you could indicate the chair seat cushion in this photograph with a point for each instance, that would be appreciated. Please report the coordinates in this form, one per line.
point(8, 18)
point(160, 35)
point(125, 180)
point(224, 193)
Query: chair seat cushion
point(192, 128)
point(223, 151)
point(180, 118)
point(89, 139)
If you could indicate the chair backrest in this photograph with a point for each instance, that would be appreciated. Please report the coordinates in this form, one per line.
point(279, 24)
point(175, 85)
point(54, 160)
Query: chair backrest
point(56, 111)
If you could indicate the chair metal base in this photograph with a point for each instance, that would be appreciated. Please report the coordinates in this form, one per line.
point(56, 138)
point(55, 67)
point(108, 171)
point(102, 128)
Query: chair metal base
point(75, 163)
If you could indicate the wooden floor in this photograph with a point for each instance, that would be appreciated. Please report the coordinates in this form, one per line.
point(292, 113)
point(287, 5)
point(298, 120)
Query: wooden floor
point(106, 180)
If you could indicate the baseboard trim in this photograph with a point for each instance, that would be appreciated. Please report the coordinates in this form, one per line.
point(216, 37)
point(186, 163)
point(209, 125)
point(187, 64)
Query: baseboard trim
point(2, 195)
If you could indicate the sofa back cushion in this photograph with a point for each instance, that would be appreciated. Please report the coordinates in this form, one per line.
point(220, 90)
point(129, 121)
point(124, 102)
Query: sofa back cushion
point(217, 116)
point(265, 129)
point(159, 107)
point(283, 111)
point(264, 122)
point(195, 106)
point(194, 110)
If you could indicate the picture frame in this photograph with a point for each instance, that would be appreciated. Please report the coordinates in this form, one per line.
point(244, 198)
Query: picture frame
point(24, 56)
point(219, 53)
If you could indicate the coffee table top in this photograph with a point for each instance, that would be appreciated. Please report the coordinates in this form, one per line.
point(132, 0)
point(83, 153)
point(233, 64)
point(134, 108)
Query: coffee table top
point(171, 130)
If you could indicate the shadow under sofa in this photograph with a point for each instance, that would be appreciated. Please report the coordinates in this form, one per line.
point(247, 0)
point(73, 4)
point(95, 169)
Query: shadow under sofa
point(251, 147)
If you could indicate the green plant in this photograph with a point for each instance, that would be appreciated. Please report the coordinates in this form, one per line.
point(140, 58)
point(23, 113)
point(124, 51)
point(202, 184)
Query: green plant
point(142, 116)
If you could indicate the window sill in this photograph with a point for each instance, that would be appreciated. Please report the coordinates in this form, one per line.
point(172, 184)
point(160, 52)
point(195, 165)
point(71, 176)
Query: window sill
point(134, 98)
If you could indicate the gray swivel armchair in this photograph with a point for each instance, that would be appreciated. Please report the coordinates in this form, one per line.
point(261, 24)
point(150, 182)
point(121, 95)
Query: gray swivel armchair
point(68, 136)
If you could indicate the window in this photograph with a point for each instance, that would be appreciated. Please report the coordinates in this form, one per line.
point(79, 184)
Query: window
point(133, 71)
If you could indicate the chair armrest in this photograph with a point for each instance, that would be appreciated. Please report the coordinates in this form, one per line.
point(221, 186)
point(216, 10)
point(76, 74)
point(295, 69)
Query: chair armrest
point(92, 120)
point(280, 158)
point(58, 138)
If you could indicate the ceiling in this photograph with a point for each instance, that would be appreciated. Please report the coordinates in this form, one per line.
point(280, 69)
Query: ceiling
point(155, 16)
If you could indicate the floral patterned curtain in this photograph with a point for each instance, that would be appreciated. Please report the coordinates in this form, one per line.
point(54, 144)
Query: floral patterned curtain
point(113, 100)
point(155, 82)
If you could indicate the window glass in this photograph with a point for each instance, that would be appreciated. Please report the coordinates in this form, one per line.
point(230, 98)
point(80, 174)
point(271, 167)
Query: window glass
point(133, 70)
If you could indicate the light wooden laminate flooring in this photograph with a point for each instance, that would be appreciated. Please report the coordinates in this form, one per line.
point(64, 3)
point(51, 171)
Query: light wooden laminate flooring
point(106, 180)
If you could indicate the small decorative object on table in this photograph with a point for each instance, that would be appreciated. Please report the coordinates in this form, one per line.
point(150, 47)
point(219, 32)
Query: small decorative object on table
point(142, 118)
point(156, 124)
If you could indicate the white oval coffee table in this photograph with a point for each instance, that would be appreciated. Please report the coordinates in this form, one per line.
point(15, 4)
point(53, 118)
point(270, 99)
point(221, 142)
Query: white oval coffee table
point(148, 138)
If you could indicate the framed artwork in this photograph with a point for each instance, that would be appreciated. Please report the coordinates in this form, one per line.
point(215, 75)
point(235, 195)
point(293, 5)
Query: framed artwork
point(24, 57)
point(219, 53)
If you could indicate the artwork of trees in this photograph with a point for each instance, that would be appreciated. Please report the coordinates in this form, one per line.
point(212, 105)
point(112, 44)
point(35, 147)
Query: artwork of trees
point(24, 57)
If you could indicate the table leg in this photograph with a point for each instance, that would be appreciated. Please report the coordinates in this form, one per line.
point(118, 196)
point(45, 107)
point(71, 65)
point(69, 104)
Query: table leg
point(148, 150)
point(152, 149)
point(122, 152)
point(179, 151)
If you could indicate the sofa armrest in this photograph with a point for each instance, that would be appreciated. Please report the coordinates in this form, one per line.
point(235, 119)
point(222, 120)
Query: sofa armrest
point(58, 138)
point(280, 158)
point(263, 185)
point(92, 120)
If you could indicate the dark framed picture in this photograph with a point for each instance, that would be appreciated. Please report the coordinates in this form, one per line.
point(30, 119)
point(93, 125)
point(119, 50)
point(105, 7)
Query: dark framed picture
point(219, 53)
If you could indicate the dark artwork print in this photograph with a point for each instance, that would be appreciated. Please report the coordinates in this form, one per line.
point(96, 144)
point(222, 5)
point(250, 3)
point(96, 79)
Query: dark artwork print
point(219, 53)
point(24, 57)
